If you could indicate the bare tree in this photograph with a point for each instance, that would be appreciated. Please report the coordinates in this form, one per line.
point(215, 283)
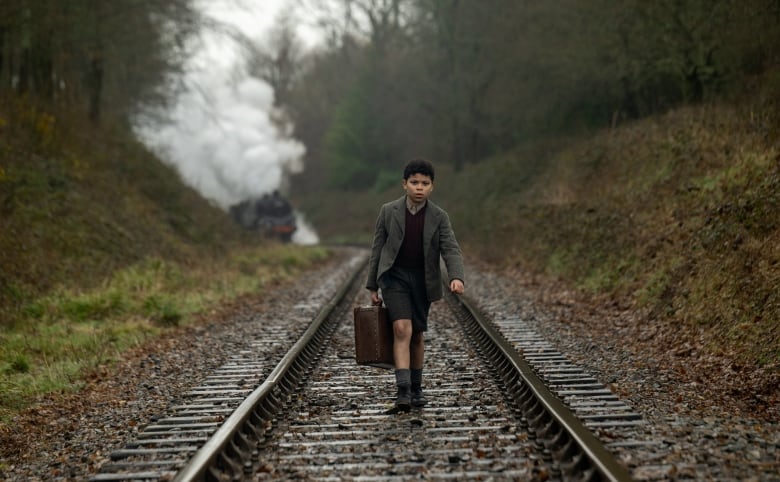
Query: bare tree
point(280, 63)
point(91, 54)
point(377, 22)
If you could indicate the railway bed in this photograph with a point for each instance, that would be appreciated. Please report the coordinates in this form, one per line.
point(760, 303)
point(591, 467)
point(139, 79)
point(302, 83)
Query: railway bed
point(503, 405)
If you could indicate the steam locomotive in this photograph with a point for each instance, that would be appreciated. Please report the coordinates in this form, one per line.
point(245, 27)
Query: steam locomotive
point(272, 215)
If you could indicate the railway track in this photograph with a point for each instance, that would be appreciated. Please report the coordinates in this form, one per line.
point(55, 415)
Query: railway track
point(296, 406)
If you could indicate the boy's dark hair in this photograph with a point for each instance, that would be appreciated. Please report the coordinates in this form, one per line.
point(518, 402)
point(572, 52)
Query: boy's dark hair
point(418, 166)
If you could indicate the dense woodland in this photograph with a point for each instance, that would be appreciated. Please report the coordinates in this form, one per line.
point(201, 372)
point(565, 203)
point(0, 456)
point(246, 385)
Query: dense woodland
point(92, 56)
point(462, 81)
point(459, 80)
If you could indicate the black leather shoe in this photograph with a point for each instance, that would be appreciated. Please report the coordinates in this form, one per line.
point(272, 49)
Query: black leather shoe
point(404, 400)
point(418, 399)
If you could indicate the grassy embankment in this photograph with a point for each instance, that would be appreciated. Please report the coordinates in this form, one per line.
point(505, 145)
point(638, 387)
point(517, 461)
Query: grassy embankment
point(102, 247)
point(675, 216)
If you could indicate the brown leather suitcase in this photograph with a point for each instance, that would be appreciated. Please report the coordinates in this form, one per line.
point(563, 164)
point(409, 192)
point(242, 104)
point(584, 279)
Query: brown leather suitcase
point(373, 337)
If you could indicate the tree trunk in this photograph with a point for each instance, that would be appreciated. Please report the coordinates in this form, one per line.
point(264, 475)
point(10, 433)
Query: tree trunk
point(3, 67)
point(95, 86)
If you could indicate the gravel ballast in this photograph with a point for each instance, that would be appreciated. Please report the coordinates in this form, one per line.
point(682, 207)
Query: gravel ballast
point(712, 431)
point(711, 428)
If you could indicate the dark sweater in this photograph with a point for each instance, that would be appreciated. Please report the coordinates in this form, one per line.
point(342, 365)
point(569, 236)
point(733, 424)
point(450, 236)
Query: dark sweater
point(410, 256)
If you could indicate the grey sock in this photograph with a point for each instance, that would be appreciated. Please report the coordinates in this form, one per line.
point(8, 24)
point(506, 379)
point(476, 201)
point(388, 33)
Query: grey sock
point(416, 377)
point(403, 377)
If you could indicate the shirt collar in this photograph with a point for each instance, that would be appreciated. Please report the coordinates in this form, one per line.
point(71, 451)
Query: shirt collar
point(414, 208)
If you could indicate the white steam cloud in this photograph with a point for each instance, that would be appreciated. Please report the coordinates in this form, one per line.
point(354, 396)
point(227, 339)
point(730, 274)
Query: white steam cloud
point(223, 141)
point(221, 134)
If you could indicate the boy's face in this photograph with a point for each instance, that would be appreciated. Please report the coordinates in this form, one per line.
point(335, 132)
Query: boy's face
point(418, 187)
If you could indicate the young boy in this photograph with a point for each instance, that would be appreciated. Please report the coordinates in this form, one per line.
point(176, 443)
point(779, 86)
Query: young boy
point(411, 234)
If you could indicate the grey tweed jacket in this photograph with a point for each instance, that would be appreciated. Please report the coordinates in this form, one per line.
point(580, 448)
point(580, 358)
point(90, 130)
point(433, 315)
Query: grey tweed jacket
point(438, 242)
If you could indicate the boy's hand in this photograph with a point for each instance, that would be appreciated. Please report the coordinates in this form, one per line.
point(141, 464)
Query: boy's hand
point(456, 286)
point(375, 299)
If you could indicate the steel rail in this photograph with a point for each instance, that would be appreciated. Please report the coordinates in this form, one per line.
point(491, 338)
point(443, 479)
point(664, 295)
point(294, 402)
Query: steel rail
point(547, 416)
point(229, 441)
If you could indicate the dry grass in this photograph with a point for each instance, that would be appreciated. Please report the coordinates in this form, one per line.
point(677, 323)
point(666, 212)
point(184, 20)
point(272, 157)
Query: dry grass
point(102, 247)
point(675, 216)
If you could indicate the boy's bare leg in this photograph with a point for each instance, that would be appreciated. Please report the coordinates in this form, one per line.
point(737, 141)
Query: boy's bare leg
point(402, 337)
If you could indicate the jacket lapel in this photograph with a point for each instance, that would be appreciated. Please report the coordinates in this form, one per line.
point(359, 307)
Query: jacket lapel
point(429, 226)
point(399, 215)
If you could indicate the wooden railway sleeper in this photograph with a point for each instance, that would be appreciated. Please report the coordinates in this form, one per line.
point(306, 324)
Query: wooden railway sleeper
point(504, 365)
point(560, 440)
point(214, 473)
point(235, 454)
point(551, 430)
point(243, 442)
point(257, 424)
point(568, 450)
point(286, 387)
point(226, 466)
point(262, 412)
point(274, 403)
point(513, 390)
point(530, 407)
point(296, 372)
point(577, 465)
point(540, 419)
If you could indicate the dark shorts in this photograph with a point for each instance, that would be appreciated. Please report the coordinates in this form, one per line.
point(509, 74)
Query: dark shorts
point(405, 296)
